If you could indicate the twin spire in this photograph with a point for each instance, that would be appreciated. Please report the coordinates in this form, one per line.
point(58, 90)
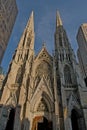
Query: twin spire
point(30, 24)
point(30, 27)
point(31, 20)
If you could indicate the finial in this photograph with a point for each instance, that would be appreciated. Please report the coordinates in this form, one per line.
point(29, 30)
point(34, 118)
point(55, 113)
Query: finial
point(58, 19)
point(44, 45)
point(32, 13)
point(31, 20)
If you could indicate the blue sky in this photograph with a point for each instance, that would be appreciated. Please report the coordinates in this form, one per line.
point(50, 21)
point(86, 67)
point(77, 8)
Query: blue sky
point(73, 13)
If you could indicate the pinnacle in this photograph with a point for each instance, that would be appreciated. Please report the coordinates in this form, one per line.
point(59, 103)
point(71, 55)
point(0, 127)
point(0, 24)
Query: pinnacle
point(30, 23)
point(32, 15)
point(29, 29)
point(44, 45)
point(58, 19)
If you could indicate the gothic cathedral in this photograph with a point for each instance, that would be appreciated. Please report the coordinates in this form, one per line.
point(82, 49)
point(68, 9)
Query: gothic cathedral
point(43, 92)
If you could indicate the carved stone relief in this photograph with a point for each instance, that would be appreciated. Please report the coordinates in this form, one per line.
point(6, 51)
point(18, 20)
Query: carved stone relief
point(42, 106)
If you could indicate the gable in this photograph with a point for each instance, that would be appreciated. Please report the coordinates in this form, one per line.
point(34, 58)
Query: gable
point(43, 54)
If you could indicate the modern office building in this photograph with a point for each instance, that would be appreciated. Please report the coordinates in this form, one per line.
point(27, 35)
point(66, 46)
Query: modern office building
point(82, 50)
point(8, 13)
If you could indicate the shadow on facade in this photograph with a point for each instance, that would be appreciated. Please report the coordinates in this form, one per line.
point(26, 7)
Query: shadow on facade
point(10, 117)
point(77, 120)
point(25, 124)
point(41, 123)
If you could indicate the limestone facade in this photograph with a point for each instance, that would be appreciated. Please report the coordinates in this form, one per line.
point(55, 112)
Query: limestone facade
point(43, 92)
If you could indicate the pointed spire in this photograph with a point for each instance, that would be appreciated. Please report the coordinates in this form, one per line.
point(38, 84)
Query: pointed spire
point(58, 19)
point(30, 24)
point(28, 32)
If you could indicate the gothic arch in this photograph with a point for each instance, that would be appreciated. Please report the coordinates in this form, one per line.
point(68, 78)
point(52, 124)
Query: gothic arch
point(43, 62)
point(77, 120)
point(73, 104)
point(42, 96)
point(75, 113)
point(42, 69)
point(42, 57)
point(42, 106)
point(67, 75)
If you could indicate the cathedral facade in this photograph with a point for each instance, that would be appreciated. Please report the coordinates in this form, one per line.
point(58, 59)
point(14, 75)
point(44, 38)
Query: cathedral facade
point(43, 92)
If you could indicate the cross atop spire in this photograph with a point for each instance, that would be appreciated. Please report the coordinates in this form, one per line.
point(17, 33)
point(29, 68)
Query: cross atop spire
point(58, 19)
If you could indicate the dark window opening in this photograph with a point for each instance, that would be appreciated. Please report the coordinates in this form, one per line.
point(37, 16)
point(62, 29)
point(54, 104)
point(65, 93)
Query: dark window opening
point(62, 57)
point(40, 126)
point(41, 123)
point(85, 81)
point(74, 120)
point(45, 125)
point(67, 75)
point(60, 40)
point(10, 122)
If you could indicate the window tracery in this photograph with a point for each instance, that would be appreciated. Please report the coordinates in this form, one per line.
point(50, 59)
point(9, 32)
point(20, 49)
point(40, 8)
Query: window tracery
point(67, 75)
point(43, 69)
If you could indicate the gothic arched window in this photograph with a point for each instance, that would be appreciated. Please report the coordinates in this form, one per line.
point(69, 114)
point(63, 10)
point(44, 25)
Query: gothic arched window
point(43, 69)
point(19, 75)
point(67, 75)
point(60, 40)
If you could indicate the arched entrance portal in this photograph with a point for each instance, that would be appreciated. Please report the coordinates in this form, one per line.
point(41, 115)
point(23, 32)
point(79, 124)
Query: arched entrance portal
point(74, 120)
point(41, 123)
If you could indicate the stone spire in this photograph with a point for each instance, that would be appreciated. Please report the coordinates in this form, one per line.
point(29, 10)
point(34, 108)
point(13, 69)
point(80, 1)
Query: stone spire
point(23, 54)
point(30, 24)
point(58, 20)
point(27, 38)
